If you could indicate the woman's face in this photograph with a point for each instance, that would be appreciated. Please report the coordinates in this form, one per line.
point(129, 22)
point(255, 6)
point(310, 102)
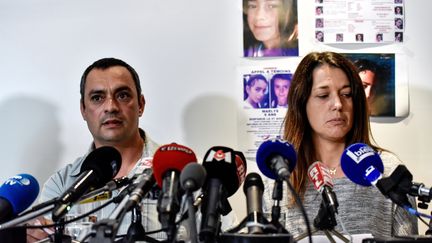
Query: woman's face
point(256, 91)
point(329, 107)
point(263, 19)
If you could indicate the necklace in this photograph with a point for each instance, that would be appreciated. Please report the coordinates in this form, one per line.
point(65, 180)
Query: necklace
point(332, 171)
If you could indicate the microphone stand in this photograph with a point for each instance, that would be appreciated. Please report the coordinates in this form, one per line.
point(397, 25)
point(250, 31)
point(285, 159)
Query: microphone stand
point(136, 230)
point(275, 214)
point(59, 237)
point(326, 220)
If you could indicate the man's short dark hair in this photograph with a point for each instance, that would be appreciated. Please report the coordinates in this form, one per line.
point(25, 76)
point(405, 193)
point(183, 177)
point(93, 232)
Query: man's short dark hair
point(106, 63)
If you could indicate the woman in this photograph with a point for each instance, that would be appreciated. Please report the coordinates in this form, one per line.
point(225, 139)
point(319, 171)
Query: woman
point(270, 28)
point(255, 92)
point(327, 112)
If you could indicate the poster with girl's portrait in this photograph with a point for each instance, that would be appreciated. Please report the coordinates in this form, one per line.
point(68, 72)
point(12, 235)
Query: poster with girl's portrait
point(385, 90)
point(270, 28)
point(263, 103)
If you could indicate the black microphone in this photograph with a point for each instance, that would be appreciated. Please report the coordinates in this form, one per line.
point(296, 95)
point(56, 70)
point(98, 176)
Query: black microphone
point(253, 188)
point(98, 168)
point(226, 170)
point(192, 178)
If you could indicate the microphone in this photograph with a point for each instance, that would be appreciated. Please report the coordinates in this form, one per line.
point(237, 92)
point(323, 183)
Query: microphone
point(253, 188)
point(168, 161)
point(191, 179)
point(226, 170)
point(98, 168)
point(362, 165)
point(276, 159)
point(17, 194)
point(320, 177)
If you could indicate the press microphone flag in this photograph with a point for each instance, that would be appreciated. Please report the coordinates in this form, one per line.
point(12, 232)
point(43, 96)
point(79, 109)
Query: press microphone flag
point(16, 195)
point(226, 170)
point(98, 168)
point(361, 164)
point(276, 158)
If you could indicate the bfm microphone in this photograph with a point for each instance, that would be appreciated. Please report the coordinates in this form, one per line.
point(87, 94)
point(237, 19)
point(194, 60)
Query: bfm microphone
point(276, 159)
point(320, 177)
point(254, 188)
point(168, 161)
point(362, 165)
point(17, 194)
point(226, 170)
point(98, 168)
point(192, 178)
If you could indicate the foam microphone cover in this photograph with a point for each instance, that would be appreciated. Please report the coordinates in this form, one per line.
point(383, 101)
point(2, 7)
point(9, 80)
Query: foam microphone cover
point(227, 165)
point(253, 179)
point(359, 161)
point(105, 162)
point(20, 191)
point(270, 148)
point(192, 177)
point(171, 157)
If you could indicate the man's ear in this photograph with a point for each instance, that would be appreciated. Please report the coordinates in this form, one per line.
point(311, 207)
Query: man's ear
point(141, 105)
point(82, 109)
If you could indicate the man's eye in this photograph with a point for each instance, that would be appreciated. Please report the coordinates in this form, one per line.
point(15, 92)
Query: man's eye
point(123, 95)
point(96, 98)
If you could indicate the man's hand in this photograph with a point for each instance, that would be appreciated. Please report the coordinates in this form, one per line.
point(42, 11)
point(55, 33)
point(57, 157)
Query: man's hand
point(34, 235)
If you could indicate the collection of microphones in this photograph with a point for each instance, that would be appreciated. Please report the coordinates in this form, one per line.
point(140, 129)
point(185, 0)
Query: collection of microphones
point(196, 194)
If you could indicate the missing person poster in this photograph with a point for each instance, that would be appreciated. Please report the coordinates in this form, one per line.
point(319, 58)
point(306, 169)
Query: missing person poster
point(262, 103)
point(354, 21)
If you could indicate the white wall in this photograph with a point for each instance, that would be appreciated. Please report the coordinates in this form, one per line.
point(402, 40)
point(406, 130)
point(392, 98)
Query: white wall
point(186, 53)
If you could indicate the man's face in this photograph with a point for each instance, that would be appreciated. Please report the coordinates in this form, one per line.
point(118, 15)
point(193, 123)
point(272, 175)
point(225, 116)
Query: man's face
point(111, 106)
point(368, 80)
point(281, 88)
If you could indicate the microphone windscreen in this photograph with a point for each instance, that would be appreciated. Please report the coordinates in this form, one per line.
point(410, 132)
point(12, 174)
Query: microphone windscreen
point(271, 148)
point(105, 162)
point(227, 165)
point(361, 164)
point(192, 176)
point(20, 191)
point(171, 157)
point(253, 179)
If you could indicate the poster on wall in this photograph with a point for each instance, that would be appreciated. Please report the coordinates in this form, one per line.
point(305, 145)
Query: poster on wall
point(270, 28)
point(385, 90)
point(262, 103)
point(354, 21)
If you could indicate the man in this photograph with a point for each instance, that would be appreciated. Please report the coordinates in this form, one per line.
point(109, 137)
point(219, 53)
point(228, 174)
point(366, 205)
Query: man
point(280, 86)
point(111, 104)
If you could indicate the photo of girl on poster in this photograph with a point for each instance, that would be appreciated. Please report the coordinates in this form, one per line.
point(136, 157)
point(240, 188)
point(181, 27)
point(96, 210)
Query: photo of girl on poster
point(377, 72)
point(270, 28)
point(255, 92)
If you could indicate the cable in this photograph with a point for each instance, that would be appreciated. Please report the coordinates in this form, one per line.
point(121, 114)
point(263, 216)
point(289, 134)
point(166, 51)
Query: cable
point(66, 222)
point(298, 201)
point(417, 213)
point(343, 227)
